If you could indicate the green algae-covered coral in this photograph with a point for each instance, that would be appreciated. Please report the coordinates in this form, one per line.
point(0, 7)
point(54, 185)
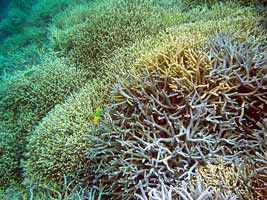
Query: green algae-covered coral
point(94, 39)
point(9, 163)
point(23, 31)
point(194, 3)
point(27, 97)
point(36, 91)
point(57, 147)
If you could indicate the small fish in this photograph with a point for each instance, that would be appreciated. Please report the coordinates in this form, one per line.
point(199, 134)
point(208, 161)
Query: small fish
point(130, 102)
point(97, 115)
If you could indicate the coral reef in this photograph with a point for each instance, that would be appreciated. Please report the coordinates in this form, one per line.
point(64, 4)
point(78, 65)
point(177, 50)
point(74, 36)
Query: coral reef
point(94, 39)
point(257, 179)
point(244, 178)
point(243, 67)
point(66, 191)
point(224, 178)
point(193, 3)
point(57, 147)
point(184, 192)
point(9, 164)
point(135, 110)
point(254, 168)
point(120, 63)
point(182, 109)
point(27, 97)
point(23, 32)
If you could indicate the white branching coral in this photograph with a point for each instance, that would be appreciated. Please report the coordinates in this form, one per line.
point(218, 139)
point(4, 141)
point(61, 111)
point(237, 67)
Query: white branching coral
point(182, 110)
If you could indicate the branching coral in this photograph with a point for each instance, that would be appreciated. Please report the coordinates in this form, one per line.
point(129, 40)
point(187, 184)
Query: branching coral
point(184, 192)
point(94, 39)
point(72, 118)
point(57, 147)
point(180, 111)
point(223, 178)
point(67, 191)
point(255, 172)
point(258, 178)
point(244, 178)
point(8, 159)
point(243, 67)
point(27, 97)
point(193, 3)
point(148, 129)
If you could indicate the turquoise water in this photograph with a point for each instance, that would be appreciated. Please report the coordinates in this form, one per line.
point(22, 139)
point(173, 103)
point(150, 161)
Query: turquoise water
point(4, 5)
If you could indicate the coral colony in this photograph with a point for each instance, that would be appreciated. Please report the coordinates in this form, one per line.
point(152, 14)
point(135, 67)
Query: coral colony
point(133, 100)
point(184, 112)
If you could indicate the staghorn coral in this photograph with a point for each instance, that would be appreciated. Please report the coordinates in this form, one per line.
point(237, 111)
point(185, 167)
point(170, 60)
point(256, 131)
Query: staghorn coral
point(224, 178)
point(243, 67)
point(218, 11)
point(258, 178)
point(9, 164)
point(194, 3)
point(245, 178)
point(255, 171)
point(27, 97)
point(184, 192)
point(160, 127)
point(73, 116)
point(93, 39)
point(67, 191)
point(57, 147)
point(180, 111)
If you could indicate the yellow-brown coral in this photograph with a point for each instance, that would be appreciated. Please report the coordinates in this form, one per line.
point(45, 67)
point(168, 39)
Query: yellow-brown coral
point(223, 177)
